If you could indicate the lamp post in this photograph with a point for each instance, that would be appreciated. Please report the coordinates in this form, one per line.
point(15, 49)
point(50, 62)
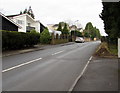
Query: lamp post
point(75, 29)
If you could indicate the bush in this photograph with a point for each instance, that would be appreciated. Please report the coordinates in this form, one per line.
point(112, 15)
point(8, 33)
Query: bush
point(18, 40)
point(45, 37)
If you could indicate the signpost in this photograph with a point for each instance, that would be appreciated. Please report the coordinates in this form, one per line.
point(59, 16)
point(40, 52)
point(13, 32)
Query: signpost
point(119, 48)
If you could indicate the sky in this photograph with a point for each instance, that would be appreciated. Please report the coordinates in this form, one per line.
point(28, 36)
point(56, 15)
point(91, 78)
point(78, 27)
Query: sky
point(55, 11)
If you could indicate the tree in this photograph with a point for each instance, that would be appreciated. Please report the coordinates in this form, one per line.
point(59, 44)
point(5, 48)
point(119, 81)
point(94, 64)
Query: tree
point(30, 12)
point(86, 34)
point(91, 31)
point(111, 18)
point(65, 29)
point(25, 11)
point(76, 33)
point(45, 37)
point(89, 26)
point(20, 12)
point(59, 27)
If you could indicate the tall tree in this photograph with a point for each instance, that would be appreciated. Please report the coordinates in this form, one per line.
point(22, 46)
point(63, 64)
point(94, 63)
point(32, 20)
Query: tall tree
point(25, 11)
point(30, 12)
point(111, 18)
point(20, 12)
point(91, 31)
point(59, 27)
point(65, 29)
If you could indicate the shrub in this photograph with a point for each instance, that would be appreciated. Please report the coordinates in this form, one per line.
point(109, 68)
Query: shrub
point(45, 37)
point(18, 40)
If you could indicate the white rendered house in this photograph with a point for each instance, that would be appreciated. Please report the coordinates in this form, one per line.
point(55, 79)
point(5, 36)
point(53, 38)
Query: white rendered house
point(26, 22)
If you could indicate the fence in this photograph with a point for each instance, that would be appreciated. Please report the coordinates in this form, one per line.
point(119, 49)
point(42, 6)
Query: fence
point(58, 39)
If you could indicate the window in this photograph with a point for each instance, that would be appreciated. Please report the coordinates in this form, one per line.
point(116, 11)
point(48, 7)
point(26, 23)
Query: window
point(29, 24)
point(20, 22)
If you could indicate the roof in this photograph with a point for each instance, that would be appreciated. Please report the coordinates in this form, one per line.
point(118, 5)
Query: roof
point(9, 20)
point(55, 25)
point(13, 15)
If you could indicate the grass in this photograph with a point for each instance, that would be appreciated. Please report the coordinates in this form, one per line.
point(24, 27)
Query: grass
point(113, 49)
point(106, 50)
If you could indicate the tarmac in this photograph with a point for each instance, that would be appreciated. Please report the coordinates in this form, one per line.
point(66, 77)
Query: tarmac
point(102, 74)
point(35, 48)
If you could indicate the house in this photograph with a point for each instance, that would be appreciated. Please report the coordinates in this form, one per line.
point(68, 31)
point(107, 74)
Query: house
point(8, 24)
point(74, 27)
point(53, 29)
point(26, 22)
point(52, 26)
point(55, 26)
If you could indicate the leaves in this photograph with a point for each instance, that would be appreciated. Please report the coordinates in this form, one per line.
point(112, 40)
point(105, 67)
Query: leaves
point(111, 18)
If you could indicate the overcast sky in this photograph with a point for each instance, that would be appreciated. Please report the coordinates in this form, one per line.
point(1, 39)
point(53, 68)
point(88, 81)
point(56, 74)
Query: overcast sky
point(55, 11)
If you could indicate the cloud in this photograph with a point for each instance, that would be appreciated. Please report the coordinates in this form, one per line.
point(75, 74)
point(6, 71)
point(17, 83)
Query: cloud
point(54, 11)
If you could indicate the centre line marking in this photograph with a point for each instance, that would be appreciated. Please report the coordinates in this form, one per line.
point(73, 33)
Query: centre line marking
point(57, 52)
point(26, 63)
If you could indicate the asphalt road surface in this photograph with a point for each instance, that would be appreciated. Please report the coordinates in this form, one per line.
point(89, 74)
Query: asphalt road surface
point(53, 69)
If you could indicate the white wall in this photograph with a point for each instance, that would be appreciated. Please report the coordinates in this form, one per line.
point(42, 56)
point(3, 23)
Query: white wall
point(23, 25)
point(33, 23)
point(37, 26)
point(25, 20)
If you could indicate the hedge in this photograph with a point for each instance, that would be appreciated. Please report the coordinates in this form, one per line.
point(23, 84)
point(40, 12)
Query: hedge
point(18, 40)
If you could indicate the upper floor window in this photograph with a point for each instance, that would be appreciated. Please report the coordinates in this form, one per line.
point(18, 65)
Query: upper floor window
point(20, 22)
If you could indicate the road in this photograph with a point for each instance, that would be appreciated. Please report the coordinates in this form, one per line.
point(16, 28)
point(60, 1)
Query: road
point(53, 69)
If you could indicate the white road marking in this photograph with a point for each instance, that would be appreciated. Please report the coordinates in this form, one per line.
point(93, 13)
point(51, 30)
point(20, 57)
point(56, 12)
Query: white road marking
point(57, 52)
point(26, 63)
point(78, 78)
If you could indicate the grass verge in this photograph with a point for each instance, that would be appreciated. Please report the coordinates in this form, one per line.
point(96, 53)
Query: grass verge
point(106, 50)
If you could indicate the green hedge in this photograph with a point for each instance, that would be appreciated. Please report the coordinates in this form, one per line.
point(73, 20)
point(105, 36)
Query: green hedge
point(18, 40)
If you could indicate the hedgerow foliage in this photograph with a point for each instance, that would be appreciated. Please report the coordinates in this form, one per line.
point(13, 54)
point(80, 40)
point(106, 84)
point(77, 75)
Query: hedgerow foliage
point(18, 40)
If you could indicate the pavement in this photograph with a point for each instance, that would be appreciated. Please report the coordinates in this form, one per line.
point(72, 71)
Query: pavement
point(100, 75)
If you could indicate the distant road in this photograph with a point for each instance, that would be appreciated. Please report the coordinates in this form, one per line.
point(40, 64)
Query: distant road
point(53, 69)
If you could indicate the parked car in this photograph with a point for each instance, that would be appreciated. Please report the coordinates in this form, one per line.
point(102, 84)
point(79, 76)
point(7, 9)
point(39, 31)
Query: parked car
point(79, 40)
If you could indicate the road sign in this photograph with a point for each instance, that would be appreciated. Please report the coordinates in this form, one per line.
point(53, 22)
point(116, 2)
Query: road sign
point(118, 47)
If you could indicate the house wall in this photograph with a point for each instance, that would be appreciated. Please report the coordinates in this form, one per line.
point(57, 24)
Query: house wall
point(23, 24)
point(33, 23)
point(24, 21)
point(37, 26)
point(7, 25)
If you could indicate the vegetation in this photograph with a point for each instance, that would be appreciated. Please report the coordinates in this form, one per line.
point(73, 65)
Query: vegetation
point(111, 18)
point(45, 37)
point(18, 40)
point(91, 31)
point(65, 29)
point(76, 33)
point(59, 27)
point(29, 12)
point(105, 50)
point(113, 49)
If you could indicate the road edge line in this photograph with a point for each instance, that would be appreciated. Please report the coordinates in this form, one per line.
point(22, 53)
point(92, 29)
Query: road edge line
point(78, 78)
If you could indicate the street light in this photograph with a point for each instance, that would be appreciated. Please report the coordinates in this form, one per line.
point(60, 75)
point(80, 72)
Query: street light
point(75, 29)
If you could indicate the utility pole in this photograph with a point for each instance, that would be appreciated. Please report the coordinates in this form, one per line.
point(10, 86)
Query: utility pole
point(75, 29)
point(119, 48)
